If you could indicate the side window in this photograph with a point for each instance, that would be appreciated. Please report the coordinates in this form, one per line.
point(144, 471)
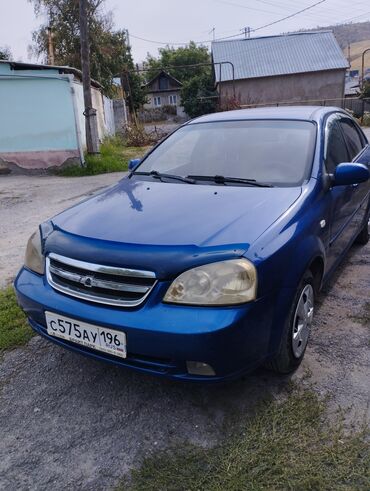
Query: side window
point(173, 100)
point(336, 150)
point(352, 137)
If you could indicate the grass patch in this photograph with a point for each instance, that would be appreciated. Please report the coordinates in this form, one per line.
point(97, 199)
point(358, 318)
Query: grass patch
point(286, 446)
point(113, 157)
point(14, 329)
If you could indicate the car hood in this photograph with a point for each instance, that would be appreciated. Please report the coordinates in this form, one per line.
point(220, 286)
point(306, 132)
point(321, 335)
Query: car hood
point(162, 214)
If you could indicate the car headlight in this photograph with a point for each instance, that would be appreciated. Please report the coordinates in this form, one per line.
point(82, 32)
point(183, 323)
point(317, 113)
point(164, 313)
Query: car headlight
point(34, 259)
point(222, 283)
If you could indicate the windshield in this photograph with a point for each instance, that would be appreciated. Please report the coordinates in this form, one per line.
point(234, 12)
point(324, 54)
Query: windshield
point(275, 152)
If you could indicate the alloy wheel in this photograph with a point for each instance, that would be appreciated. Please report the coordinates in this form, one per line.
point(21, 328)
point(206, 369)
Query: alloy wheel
point(302, 321)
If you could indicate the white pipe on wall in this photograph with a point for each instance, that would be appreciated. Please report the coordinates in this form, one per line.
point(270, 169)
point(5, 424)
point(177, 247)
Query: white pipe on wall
point(77, 121)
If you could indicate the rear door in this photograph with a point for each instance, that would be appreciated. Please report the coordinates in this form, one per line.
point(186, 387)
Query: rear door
point(342, 204)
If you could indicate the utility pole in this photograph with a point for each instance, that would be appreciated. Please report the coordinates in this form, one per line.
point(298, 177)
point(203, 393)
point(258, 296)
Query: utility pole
point(362, 83)
point(51, 58)
point(349, 54)
point(126, 86)
point(92, 138)
point(247, 32)
point(363, 68)
point(213, 31)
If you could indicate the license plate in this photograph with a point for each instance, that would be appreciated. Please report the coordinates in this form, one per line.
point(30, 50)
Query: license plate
point(93, 337)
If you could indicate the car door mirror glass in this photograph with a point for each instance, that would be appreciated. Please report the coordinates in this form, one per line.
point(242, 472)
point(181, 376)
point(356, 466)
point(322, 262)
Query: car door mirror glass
point(133, 163)
point(349, 173)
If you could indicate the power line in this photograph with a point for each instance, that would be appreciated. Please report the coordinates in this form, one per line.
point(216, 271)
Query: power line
point(234, 35)
point(353, 18)
point(226, 2)
point(251, 30)
point(284, 7)
point(164, 43)
point(289, 16)
point(328, 12)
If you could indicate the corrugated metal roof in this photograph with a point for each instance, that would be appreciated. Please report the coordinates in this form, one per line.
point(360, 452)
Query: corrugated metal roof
point(278, 55)
point(161, 72)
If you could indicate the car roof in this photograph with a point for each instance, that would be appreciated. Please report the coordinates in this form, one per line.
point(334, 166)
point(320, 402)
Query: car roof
point(306, 113)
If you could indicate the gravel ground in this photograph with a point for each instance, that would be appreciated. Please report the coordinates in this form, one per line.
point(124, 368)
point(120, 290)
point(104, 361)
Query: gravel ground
point(67, 422)
point(161, 127)
point(26, 201)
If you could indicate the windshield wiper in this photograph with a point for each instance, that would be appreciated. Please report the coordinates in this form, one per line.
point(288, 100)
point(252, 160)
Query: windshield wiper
point(223, 180)
point(160, 176)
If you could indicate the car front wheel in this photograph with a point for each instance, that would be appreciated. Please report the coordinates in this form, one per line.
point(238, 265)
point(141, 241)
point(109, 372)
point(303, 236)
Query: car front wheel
point(297, 328)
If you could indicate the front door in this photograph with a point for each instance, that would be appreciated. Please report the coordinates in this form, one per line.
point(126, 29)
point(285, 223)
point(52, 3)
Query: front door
point(341, 197)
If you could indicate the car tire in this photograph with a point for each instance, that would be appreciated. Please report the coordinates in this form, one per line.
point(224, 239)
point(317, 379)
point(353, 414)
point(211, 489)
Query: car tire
point(363, 236)
point(297, 328)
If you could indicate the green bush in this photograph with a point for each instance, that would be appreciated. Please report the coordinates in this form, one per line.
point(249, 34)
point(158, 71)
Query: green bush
point(14, 328)
point(114, 157)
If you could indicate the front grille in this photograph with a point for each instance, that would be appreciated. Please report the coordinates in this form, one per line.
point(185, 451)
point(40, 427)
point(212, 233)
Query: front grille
point(97, 283)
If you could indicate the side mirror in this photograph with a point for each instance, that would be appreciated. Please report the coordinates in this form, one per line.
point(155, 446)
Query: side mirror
point(133, 163)
point(349, 173)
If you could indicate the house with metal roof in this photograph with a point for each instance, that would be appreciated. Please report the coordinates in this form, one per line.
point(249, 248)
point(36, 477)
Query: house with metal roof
point(289, 68)
point(164, 90)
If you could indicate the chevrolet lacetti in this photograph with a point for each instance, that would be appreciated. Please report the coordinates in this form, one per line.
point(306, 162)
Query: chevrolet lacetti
point(204, 262)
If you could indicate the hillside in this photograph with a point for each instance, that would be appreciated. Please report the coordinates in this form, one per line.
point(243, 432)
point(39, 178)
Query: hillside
point(357, 35)
point(350, 33)
point(356, 54)
point(346, 33)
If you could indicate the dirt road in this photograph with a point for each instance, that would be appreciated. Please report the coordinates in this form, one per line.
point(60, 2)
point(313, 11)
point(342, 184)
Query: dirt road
point(67, 422)
point(26, 201)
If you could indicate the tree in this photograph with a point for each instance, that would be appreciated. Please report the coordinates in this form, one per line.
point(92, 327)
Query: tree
point(198, 81)
point(198, 95)
point(109, 50)
point(5, 53)
point(188, 55)
point(365, 94)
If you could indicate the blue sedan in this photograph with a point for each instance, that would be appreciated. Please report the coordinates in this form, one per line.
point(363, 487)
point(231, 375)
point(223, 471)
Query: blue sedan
point(205, 261)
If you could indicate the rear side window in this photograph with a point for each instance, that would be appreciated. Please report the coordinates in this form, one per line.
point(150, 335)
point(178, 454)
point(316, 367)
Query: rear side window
point(352, 137)
point(336, 148)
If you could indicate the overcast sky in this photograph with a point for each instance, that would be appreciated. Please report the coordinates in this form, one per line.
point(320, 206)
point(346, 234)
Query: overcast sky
point(178, 21)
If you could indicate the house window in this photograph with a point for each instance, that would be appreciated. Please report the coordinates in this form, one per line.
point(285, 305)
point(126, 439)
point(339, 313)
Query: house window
point(163, 83)
point(173, 100)
point(157, 101)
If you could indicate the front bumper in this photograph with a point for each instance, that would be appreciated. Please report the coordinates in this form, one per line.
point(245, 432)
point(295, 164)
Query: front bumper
point(161, 337)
